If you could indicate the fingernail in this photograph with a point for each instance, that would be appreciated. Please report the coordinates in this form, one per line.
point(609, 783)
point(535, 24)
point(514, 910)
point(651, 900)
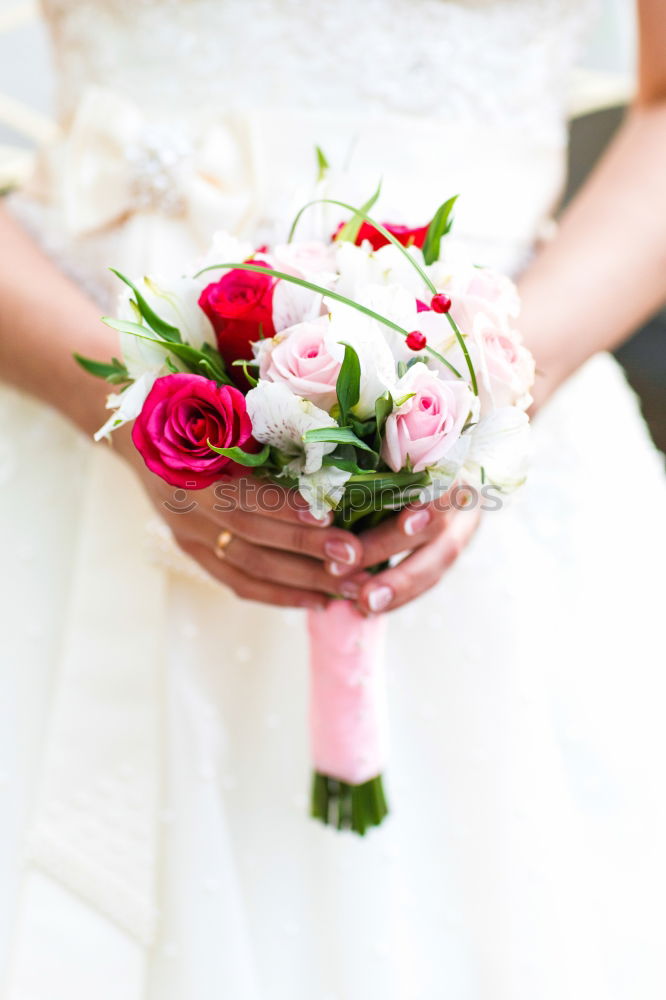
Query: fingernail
point(416, 522)
point(340, 552)
point(379, 598)
point(318, 522)
point(350, 589)
point(337, 569)
point(313, 604)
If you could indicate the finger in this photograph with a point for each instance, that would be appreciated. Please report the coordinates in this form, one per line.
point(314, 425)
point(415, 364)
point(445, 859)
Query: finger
point(250, 589)
point(255, 496)
point(411, 528)
point(421, 570)
point(270, 565)
point(339, 550)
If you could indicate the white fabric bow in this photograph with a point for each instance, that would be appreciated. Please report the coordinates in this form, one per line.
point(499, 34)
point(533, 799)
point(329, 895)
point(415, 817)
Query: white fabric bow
point(117, 161)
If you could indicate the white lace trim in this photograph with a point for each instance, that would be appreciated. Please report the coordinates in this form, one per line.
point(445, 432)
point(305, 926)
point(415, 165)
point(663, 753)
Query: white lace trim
point(494, 62)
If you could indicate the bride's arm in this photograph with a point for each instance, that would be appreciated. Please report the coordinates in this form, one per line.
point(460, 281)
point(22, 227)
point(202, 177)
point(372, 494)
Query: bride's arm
point(44, 317)
point(606, 270)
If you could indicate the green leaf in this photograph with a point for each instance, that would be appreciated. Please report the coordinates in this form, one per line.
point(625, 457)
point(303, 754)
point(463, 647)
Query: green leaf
point(337, 435)
point(348, 385)
point(165, 330)
point(351, 229)
point(403, 399)
point(199, 362)
point(383, 407)
point(243, 457)
point(322, 164)
point(439, 226)
point(346, 464)
point(114, 372)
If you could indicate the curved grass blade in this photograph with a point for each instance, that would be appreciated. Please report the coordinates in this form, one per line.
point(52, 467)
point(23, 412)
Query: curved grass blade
point(328, 293)
point(415, 264)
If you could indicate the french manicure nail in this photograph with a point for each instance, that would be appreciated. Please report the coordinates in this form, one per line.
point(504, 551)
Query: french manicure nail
point(379, 598)
point(340, 552)
point(350, 589)
point(307, 517)
point(337, 569)
point(416, 522)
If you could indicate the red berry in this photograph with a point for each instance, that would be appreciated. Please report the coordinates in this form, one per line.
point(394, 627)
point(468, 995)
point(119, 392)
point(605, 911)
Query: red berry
point(416, 340)
point(440, 303)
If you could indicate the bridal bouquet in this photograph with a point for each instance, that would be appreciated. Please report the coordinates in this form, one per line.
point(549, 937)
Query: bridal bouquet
point(376, 367)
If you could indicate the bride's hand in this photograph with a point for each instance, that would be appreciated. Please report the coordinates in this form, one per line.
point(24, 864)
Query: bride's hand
point(256, 538)
point(433, 536)
point(261, 541)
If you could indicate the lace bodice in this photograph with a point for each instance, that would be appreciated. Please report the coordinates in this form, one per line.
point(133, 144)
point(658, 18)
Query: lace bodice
point(499, 62)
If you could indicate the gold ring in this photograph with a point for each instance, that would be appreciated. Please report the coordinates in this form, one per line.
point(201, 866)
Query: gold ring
point(221, 542)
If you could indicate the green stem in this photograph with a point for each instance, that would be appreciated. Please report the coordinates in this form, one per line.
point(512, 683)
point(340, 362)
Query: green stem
point(348, 807)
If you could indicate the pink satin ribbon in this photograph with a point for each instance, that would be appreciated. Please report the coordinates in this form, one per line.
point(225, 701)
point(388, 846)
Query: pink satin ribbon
point(348, 716)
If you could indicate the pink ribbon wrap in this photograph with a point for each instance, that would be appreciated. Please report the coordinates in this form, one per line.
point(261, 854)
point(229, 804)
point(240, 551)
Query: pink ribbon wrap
point(348, 713)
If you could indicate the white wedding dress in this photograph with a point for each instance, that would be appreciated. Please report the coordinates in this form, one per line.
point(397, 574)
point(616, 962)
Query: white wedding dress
point(154, 842)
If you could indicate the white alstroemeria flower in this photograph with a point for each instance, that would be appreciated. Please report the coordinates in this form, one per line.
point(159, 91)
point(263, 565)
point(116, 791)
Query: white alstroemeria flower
point(126, 405)
point(391, 267)
point(356, 269)
point(500, 446)
point(323, 489)
point(394, 303)
point(293, 304)
point(361, 266)
point(378, 370)
point(281, 419)
point(444, 474)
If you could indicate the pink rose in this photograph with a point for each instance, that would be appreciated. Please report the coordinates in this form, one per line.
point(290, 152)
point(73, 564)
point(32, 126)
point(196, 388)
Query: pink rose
point(180, 415)
point(240, 308)
point(481, 290)
point(299, 358)
point(427, 425)
point(505, 368)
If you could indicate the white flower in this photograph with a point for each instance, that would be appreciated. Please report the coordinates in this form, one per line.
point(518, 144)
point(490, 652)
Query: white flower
point(293, 304)
point(176, 301)
point(444, 474)
point(500, 446)
point(359, 267)
point(224, 249)
point(323, 489)
point(378, 370)
point(313, 261)
point(393, 268)
point(281, 419)
point(126, 405)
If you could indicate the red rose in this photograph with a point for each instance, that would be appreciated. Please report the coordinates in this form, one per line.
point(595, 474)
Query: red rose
point(403, 234)
point(181, 414)
point(240, 307)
